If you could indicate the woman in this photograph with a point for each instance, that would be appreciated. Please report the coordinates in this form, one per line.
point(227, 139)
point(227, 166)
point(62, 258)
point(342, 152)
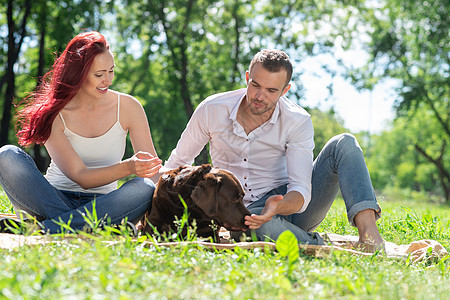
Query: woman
point(83, 125)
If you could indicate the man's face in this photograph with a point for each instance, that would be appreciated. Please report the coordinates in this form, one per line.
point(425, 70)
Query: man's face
point(264, 88)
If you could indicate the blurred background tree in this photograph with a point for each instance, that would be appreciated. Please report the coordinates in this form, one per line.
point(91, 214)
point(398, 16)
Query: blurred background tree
point(172, 54)
point(409, 41)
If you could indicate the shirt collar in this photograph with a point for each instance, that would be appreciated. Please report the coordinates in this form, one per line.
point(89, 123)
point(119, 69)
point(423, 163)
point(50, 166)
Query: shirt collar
point(233, 114)
point(276, 112)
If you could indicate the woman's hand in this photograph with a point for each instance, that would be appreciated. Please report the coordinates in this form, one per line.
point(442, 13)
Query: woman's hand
point(269, 210)
point(143, 164)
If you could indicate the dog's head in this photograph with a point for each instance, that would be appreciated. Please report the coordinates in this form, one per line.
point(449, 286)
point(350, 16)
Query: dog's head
point(219, 194)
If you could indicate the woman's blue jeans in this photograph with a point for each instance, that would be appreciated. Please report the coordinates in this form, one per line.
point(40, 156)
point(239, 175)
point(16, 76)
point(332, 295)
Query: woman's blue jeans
point(30, 192)
point(340, 164)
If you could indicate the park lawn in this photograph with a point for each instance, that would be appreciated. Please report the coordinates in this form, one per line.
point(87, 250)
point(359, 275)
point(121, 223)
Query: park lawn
point(85, 268)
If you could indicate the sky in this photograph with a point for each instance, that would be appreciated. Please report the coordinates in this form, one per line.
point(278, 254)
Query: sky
point(361, 110)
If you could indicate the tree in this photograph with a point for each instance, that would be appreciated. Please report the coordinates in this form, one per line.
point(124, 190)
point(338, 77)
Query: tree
point(409, 42)
point(41, 160)
point(24, 69)
point(394, 160)
point(326, 125)
point(187, 51)
point(16, 37)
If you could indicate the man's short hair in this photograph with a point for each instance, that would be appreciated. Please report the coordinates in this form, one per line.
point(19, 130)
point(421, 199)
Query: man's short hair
point(273, 61)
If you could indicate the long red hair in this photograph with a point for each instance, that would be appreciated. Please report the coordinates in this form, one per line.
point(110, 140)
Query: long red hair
point(58, 87)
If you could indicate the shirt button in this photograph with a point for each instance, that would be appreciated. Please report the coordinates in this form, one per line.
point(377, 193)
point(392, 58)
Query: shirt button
point(248, 140)
point(245, 177)
point(245, 159)
point(245, 185)
point(250, 190)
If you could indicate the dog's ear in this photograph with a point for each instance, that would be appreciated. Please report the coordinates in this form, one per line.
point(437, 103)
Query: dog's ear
point(191, 174)
point(206, 195)
point(201, 172)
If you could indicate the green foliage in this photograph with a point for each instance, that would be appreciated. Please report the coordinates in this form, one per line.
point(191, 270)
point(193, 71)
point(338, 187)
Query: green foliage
point(405, 217)
point(5, 206)
point(287, 246)
point(187, 51)
point(172, 54)
point(326, 125)
point(394, 160)
point(103, 267)
point(426, 224)
point(184, 230)
point(409, 42)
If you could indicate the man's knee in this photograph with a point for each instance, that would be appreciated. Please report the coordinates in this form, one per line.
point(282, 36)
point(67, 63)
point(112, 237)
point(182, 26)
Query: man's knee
point(347, 141)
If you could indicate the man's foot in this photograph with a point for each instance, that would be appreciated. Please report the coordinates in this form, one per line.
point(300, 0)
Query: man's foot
point(367, 228)
point(370, 248)
point(370, 235)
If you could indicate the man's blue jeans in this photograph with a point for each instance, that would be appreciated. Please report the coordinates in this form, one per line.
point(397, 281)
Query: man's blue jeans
point(29, 191)
point(340, 164)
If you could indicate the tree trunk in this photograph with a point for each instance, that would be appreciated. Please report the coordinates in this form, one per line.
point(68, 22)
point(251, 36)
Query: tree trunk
point(13, 53)
point(444, 175)
point(181, 63)
point(237, 48)
point(6, 118)
point(41, 161)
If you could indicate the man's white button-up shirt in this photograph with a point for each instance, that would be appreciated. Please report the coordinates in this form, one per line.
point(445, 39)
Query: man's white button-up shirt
point(279, 151)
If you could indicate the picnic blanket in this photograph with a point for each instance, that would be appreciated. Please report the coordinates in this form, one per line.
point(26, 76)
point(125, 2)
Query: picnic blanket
point(421, 250)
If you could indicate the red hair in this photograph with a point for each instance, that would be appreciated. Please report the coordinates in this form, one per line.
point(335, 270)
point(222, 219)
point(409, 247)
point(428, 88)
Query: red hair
point(58, 87)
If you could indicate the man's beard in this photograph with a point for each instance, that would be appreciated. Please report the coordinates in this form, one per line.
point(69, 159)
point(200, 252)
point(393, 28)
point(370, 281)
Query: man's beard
point(260, 110)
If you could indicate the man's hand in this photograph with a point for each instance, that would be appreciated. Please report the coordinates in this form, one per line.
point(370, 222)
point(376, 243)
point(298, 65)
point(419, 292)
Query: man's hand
point(269, 210)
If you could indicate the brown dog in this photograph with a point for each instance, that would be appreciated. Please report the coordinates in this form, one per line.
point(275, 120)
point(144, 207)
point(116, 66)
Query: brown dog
point(210, 195)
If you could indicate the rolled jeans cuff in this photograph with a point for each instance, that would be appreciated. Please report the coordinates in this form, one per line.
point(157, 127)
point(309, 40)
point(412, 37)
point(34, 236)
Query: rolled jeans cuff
point(363, 205)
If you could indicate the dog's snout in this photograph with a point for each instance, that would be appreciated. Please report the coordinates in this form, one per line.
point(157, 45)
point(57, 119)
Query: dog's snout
point(243, 226)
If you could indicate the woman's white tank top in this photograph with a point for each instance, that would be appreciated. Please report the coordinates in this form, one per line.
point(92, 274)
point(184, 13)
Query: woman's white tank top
point(102, 151)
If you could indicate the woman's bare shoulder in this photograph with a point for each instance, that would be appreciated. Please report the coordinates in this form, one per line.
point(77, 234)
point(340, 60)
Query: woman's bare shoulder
point(126, 98)
point(57, 123)
point(131, 110)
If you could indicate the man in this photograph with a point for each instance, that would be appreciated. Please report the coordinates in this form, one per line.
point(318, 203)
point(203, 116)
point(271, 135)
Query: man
point(267, 142)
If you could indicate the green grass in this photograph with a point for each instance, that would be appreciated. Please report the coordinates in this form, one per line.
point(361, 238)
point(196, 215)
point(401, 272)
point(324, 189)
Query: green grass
point(86, 268)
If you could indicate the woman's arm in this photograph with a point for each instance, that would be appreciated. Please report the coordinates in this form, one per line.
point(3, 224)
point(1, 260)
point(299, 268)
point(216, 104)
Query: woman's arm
point(134, 119)
point(143, 163)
